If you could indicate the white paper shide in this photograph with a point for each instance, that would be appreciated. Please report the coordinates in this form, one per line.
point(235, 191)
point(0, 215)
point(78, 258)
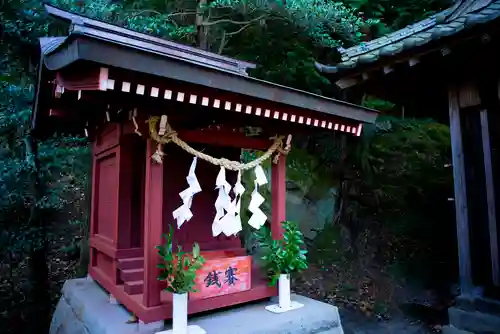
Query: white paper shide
point(227, 211)
point(258, 218)
point(183, 213)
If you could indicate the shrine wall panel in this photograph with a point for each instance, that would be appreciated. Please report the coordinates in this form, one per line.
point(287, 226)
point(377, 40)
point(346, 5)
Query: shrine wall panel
point(106, 194)
point(107, 137)
point(138, 183)
point(105, 265)
point(199, 228)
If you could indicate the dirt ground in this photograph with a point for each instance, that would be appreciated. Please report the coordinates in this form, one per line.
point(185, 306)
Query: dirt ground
point(367, 305)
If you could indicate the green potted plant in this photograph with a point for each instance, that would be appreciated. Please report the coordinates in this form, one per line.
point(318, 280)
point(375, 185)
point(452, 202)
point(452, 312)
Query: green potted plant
point(280, 259)
point(178, 271)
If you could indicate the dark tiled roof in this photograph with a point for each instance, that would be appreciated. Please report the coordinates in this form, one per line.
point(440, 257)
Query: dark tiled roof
point(97, 42)
point(49, 44)
point(106, 31)
point(462, 15)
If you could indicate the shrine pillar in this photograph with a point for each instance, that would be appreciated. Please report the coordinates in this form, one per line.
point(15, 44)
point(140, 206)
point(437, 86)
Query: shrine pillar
point(153, 226)
point(278, 189)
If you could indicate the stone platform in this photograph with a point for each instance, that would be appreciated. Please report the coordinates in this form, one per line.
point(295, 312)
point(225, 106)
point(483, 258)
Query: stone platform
point(84, 308)
point(474, 314)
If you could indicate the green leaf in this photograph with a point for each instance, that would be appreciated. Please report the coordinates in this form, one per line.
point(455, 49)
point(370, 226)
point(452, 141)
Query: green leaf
point(182, 275)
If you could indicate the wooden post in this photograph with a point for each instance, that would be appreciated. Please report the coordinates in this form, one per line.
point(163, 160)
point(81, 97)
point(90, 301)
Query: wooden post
point(278, 189)
point(461, 218)
point(153, 226)
point(93, 214)
point(490, 199)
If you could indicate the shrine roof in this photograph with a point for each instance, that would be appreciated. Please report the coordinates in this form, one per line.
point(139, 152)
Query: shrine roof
point(94, 41)
point(463, 15)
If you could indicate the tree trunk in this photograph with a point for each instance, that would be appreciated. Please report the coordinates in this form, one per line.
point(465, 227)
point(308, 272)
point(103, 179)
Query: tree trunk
point(343, 217)
point(84, 260)
point(37, 260)
point(202, 31)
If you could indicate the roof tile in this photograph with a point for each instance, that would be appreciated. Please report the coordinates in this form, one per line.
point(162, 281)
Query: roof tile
point(463, 14)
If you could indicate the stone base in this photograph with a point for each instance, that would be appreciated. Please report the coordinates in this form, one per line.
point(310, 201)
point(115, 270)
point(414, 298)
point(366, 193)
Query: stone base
point(453, 330)
point(475, 315)
point(84, 308)
point(275, 308)
point(191, 330)
point(314, 317)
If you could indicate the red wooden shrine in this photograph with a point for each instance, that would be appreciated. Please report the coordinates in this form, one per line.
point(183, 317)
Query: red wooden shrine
point(101, 79)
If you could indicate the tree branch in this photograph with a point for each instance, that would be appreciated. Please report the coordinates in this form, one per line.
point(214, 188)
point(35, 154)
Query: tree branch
point(222, 44)
point(159, 14)
point(181, 13)
point(205, 23)
point(239, 30)
point(146, 11)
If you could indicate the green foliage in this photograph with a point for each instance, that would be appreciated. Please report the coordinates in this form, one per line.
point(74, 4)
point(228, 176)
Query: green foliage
point(282, 256)
point(283, 38)
point(393, 191)
point(378, 104)
point(38, 179)
point(394, 16)
point(178, 270)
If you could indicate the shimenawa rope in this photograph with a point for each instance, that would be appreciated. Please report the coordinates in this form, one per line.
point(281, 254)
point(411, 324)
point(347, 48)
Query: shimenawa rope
point(171, 136)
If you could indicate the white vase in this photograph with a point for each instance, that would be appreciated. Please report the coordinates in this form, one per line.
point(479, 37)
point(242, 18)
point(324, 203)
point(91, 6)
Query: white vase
point(180, 317)
point(284, 291)
point(180, 313)
point(285, 303)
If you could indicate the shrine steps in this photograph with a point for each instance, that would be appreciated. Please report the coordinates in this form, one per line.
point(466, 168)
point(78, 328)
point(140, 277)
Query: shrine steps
point(133, 287)
point(132, 274)
point(129, 275)
point(131, 263)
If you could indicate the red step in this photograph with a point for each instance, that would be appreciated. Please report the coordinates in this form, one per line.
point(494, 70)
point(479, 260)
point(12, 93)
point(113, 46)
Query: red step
point(128, 275)
point(131, 263)
point(133, 287)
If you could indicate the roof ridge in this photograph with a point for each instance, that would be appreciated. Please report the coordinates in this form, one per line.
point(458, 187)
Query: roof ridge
point(463, 14)
point(389, 38)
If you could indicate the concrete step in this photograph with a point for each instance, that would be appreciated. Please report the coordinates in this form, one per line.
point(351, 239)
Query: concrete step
point(453, 330)
point(133, 287)
point(474, 321)
point(128, 275)
point(131, 263)
point(480, 304)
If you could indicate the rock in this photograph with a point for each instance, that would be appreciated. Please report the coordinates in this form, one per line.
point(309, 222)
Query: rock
point(64, 320)
point(84, 308)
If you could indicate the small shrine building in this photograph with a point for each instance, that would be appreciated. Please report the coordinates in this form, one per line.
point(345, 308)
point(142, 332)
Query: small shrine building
point(110, 83)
